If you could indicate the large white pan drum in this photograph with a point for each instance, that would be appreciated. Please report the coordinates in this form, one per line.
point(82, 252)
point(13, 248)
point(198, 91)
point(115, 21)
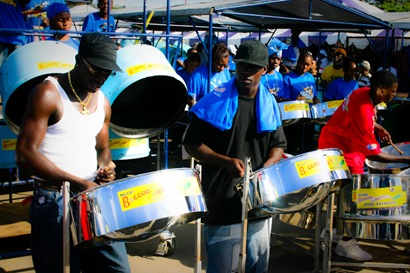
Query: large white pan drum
point(26, 67)
point(390, 168)
point(297, 183)
point(148, 96)
point(136, 208)
point(293, 111)
point(376, 206)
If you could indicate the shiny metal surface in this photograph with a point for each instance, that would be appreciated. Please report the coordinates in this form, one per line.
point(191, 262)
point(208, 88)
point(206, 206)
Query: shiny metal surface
point(296, 183)
point(136, 208)
point(390, 168)
point(26, 67)
point(293, 111)
point(376, 206)
point(321, 112)
point(148, 96)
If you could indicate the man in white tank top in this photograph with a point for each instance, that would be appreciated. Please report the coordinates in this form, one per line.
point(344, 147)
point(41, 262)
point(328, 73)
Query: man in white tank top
point(64, 137)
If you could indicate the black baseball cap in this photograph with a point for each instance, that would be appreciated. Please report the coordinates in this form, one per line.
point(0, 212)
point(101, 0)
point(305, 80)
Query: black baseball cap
point(99, 50)
point(252, 52)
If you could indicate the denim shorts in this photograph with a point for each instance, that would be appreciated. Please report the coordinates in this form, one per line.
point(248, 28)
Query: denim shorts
point(223, 244)
point(46, 215)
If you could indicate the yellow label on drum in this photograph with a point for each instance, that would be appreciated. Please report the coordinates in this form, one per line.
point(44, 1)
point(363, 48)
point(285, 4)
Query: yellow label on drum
point(8, 144)
point(307, 167)
point(334, 103)
point(296, 107)
point(336, 162)
point(143, 67)
point(48, 65)
point(121, 143)
point(379, 198)
point(156, 192)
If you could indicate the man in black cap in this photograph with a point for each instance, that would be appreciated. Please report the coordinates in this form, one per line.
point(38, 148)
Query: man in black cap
point(64, 137)
point(238, 119)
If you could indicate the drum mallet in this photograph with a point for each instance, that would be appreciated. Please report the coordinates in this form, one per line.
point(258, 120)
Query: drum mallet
point(397, 148)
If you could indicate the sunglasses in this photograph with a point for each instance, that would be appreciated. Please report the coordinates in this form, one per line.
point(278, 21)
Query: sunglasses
point(222, 65)
point(95, 72)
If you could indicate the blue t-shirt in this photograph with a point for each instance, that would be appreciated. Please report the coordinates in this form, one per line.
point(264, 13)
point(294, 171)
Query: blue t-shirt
point(94, 23)
point(71, 42)
point(274, 83)
point(185, 75)
point(12, 18)
point(339, 89)
point(198, 84)
point(294, 85)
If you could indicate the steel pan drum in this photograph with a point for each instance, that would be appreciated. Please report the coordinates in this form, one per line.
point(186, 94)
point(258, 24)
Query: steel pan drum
point(128, 148)
point(321, 112)
point(376, 206)
point(26, 67)
point(390, 168)
point(136, 208)
point(293, 111)
point(148, 96)
point(8, 146)
point(296, 183)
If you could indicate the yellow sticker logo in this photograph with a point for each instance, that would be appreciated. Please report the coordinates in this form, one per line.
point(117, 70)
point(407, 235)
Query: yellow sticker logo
point(8, 144)
point(378, 198)
point(156, 192)
point(336, 162)
point(334, 103)
point(307, 167)
point(121, 143)
point(296, 107)
point(56, 64)
point(143, 67)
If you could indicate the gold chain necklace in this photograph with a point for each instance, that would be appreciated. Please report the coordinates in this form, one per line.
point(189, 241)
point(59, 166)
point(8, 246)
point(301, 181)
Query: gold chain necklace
point(84, 111)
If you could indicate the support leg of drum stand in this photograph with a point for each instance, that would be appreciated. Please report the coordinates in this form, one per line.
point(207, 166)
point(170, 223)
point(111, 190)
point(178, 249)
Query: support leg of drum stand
point(242, 253)
point(327, 246)
point(317, 237)
point(66, 227)
point(198, 261)
point(159, 152)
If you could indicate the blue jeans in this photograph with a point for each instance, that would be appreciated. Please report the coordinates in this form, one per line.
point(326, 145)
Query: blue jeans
point(223, 244)
point(46, 214)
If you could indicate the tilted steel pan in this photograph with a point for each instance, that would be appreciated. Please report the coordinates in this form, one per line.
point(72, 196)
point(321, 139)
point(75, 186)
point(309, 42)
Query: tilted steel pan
point(136, 208)
point(376, 206)
point(390, 168)
point(321, 112)
point(293, 111)
point(296, 183)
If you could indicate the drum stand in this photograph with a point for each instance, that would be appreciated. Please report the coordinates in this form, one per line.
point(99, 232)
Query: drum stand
point(66, 226)
point(242, 253)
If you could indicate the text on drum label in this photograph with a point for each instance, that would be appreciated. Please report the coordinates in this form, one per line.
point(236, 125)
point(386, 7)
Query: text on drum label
point(307, 167)
point(8, 144)
point(157, 191)
point(120, 143)
point(334, 103)
point(55, 64)
point(336, 162)
point(296, 107)
point(144, 67)
point(378, 198)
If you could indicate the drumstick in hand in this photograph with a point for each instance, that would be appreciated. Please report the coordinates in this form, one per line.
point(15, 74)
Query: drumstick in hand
point(397, 148)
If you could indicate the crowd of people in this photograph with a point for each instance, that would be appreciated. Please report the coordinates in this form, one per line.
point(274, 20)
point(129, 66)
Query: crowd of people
point(233, 97)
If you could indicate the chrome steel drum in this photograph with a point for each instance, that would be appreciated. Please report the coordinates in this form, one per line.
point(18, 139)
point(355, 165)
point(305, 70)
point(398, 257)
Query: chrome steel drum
point(293, 111)
point(376, 206)
point(136, 208)
point(321, 112)
point(390, 168)
point(26, 67)
point(128, 148)
point(296, 183)
point(148, 96)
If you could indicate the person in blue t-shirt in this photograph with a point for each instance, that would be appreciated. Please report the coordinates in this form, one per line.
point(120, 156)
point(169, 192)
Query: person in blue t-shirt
point(97, 21)
point(11, 17)
point(60, 19)
point(190, 64)
point(273, 79)
point(341, 87)
point(198, 85)
point(300, 84)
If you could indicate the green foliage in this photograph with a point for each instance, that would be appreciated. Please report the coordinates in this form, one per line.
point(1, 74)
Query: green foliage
point(395, 5)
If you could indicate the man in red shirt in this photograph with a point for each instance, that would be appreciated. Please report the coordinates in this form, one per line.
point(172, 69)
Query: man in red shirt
point(352, 128)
